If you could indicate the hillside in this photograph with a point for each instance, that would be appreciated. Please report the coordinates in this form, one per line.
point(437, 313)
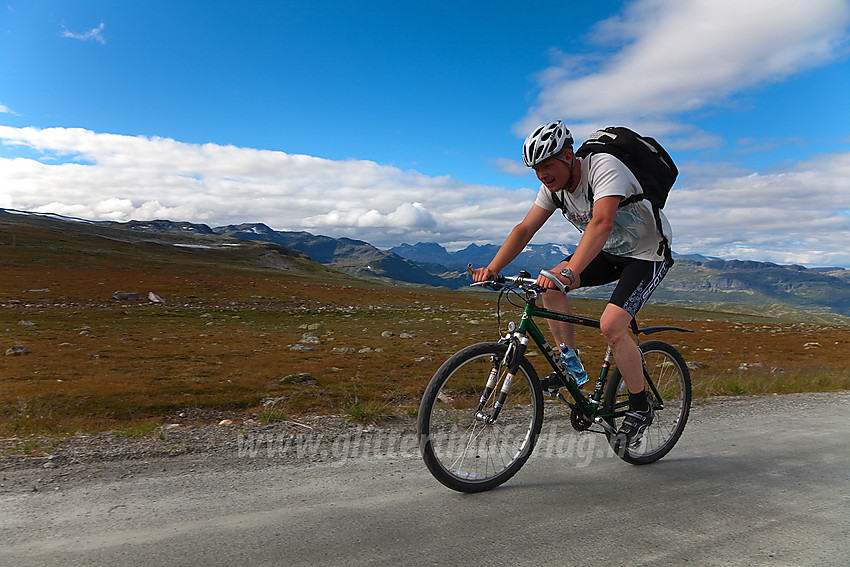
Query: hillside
point(694, 281)
point(352, 257)
point(35, 242)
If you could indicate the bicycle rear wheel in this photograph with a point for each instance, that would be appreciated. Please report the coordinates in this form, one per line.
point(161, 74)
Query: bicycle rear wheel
point(460, 446)
point(666, 368)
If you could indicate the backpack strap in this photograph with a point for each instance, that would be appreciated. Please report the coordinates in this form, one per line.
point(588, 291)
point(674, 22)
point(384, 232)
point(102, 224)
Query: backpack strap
point(560, 203)
point(664, 245)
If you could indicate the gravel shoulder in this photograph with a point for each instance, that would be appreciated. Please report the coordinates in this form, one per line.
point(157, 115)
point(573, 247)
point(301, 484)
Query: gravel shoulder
point(302, 442)
point(307, 440)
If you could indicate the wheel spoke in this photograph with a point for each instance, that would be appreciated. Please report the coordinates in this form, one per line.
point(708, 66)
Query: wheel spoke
point(464, 451)
point(666, 369)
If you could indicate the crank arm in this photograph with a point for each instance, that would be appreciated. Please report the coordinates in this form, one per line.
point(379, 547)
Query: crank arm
point(598, 420)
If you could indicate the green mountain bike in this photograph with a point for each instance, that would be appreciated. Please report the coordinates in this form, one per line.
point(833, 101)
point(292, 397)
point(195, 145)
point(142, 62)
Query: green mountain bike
point(482, 412)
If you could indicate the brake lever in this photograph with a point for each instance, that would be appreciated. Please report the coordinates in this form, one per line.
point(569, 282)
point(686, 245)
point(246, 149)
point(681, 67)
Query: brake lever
point(558, 283)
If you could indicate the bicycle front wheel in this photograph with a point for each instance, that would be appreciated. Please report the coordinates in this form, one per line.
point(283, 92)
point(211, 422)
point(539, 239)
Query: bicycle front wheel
point(462, 446)
point(668, 386)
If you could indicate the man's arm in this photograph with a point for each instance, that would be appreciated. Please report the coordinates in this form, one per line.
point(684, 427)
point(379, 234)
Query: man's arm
point(514, 243)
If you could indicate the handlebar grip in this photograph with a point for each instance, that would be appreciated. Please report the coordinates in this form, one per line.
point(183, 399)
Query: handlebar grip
point(497, 278)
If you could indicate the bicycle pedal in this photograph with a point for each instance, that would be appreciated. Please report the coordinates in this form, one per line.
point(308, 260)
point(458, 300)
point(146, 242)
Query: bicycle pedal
point(551, 385)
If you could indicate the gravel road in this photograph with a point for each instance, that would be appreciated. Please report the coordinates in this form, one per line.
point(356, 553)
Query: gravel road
point(753, 481)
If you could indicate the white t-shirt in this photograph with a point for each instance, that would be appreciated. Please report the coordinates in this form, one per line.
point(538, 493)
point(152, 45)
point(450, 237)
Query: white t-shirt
point(634, 233)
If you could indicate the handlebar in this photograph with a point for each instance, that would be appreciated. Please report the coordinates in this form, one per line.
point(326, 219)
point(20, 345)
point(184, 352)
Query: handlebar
point(499, 281)
point(522, 280)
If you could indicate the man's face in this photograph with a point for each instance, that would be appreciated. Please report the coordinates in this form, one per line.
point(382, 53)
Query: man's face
point(554, 173)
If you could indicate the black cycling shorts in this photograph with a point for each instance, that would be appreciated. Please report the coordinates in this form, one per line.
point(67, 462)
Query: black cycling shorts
point(637, 278)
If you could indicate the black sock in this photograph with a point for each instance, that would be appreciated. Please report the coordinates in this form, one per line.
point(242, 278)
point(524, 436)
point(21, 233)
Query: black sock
point(639, 401)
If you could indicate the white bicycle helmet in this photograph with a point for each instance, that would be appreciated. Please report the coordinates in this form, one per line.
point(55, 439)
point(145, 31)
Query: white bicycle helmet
point(546, 141)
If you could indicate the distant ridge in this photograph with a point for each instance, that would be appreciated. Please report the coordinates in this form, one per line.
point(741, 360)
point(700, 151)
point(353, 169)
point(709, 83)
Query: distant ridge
point(353, 257)
point(534, 258)
point(695, 280)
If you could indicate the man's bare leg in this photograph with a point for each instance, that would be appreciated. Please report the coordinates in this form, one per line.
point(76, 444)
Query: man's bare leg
point(615, 323)
point(554, 300)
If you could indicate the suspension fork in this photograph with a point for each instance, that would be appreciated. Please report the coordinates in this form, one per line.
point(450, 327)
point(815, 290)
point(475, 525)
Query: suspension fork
point(516, 349)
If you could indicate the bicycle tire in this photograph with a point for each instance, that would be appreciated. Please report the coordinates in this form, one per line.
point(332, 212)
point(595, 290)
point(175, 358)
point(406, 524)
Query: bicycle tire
point(462, 451)
point(669, 373)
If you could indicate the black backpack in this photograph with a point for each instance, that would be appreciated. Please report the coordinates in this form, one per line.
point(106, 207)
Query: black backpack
point(646, 159)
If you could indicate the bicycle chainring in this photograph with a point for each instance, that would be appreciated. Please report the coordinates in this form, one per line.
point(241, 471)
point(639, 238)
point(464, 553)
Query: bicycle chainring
point(578, 419)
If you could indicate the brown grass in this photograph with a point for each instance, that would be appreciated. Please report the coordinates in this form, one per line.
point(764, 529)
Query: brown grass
point(221, 344)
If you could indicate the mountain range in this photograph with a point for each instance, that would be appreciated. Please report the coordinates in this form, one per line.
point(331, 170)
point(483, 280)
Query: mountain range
point(694, 280)
point(760, 287)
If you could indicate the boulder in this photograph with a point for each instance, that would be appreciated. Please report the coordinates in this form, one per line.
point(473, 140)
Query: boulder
point(125, 296)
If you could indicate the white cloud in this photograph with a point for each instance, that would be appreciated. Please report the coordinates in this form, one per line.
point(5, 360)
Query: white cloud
point(790, 216)
point(785, 215)
point(682, 55)
point(112, 177)
point(94, 34)
point(512, 167)
point(407, 216)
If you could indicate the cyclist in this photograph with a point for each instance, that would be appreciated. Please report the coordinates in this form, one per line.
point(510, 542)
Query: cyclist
point(617, 243)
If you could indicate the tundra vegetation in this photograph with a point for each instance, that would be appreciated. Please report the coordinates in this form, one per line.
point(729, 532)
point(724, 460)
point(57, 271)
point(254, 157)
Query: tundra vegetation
point(226, 329)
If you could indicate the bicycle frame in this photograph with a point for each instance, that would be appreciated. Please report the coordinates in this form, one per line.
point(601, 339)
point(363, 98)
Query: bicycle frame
point(589, 405)
point(527, 327)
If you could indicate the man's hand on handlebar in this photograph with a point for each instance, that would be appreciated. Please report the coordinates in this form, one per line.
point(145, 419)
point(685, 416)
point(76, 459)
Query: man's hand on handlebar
point(482, 274)
point(546, 283)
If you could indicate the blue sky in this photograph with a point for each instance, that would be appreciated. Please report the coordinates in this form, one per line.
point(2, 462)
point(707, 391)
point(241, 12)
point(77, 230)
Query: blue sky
point(403, 122)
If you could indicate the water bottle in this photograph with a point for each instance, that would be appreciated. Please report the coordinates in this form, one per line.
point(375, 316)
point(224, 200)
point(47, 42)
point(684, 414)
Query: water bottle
point(570, 359)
